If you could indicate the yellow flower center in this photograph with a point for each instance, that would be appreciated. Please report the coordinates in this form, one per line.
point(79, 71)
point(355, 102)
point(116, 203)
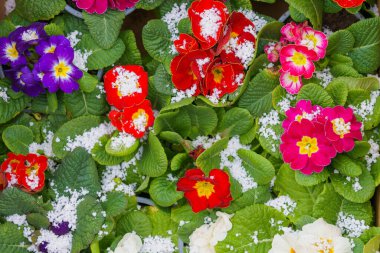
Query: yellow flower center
point(234, 35)
point(50, 50)
point(325, 246)
point(340, 127)
point(308, 146)
point(140, 120)
point(204, 189)
point(218, 74)
point(32, 169)
point(294, 79)
point(312, 39)
point(292, 250)
point(299, 59)
point(61, 70)
point(12, 52)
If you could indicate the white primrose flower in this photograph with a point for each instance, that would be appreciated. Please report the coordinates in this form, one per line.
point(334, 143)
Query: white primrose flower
point(204, 238)
point(288, 243)
point(130, 243)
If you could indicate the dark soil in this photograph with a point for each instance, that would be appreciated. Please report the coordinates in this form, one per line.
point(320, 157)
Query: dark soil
point(338, 21)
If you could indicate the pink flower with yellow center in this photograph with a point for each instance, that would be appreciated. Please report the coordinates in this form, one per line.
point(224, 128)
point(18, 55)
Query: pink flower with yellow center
point(292, 84)
point(291, 31)
point(303, 110)
point(314, 40)
point(298, 60)
point(305, 147)
point(342, 128)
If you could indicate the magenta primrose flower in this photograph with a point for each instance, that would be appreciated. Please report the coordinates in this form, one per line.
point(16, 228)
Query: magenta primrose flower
point(305, 147)
point(298, 60)
point(292, 84)
point(342, 128)
point(101, 6)
point(314, 40)
point(303, 110)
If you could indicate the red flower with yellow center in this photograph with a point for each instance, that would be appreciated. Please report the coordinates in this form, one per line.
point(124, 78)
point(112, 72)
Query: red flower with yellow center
point(185, 44)
point(238, 43)
point(349, 3)
point(223, 79)
point(189, 69)
point(33, 174)
point(126, 86)
point(11, 167)
point(206, 192)
point(208, 18)
point(133, 120)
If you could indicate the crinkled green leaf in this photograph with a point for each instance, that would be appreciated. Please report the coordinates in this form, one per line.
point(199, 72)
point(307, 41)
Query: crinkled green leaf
point(164, 192)
point(35, 10)
point(18, 138)
point(316, 94)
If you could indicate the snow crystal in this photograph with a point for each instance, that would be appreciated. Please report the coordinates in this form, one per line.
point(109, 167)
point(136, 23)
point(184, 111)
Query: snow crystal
point(285, 103)
point(231, 160)
point(266, 122)
point(126, 82)
point(254, 237)
point(3, 94)
point(351, 226)
point(244, 51)
point(157, 244)
point(10, 5)
point(72, 37)
point(122, 141)
point(258, 21)
point(356, 186)
point(283, 204)
point(46, 146)
point(205, 141)
point(81, 58)
point(89, 138)
point(172, 18)
point(56, 244)
point(374, 8)
point(201, 63)
point(19, 220)
point(171, 178)
point(214, 97)
point(210, 23)
point(29, 35)
point(325, 76)
point(326, 30)
point(179, 94)
point(365, 109)
point(373, 154)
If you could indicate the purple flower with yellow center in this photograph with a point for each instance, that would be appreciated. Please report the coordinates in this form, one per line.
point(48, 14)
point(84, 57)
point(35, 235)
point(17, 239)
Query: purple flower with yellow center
point(23, 80)
point(30, 35)
point(59, 72)
point(9, 53)
point(49, 46)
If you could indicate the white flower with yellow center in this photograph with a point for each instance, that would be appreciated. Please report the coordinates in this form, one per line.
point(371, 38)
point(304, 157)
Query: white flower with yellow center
point(288, 243)
point(130, 243)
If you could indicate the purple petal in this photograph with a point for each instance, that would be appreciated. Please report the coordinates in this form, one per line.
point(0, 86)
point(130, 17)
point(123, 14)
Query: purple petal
point(47, 63)
point(60, 40)
point(65, 53)
point(50, 83)
point(76, 73)
point(42, 46)
point(68, 85)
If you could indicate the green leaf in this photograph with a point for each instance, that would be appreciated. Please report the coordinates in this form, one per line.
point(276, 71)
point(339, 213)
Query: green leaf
point(164, 192)
point(135, 221)
point(80, 103)
point(347, 188)
point(203, 120)
point(25, 203)
point(12, 239)
point(38, 220)
point(367, 45)
point(157, 40)
point(210, 158)
point(257, 98)
point(35, 10)
point(373, 245)
point(338, 91)
point(257, 166)
point(259, 195)
point(100, 58)
point(53, 29)
point(71, 129)
point(260, 218)
point(340, 42)
point(240, 4)
point(132, 53)
point(179, 160)
point(269, 33)
point(312, 9)
point(316, 94)
point(172, 106)
point(18, 138)
point(347, 166)
point(104, 28)
point(161, 220)
point(88, 224)
point(10, 109)
point(305, 197)
point(153, 162)
point(344, 70)
point(331, 7)
point(148, 4)
point(313, 179)
point(77, 170)
point(88, 82)
point(365, 83)
point(236, 121)
point(119, 149)
point(360, 150)
point(162, 81)
point(178, 121)
point(102, 157)
point(115, 204)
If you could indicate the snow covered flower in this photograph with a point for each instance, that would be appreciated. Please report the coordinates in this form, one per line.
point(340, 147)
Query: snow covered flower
point(208, 18)
point(10, 168)
point(323, 237)
point(303, 110)
point(190, 69)
point(9, 53)
point(342, 128)
point(314, 40)
point(205, 238)
point(206, 192)
point(24, 80)
point(59, 72)
point(29, 35)
point(298, 60)
point(185, 44)
point(305, 147)
point(49, 46)
point(133, 120)
point(238, 43)
point(223, 78)
point(130, 243)
point(126, 86)
point(101, 6)
point(349, 3)
point(292, 84)
point(288, 243)
point(272, 50)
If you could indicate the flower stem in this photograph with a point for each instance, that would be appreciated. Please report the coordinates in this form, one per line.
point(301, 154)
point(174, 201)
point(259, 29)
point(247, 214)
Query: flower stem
point(95, 247)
